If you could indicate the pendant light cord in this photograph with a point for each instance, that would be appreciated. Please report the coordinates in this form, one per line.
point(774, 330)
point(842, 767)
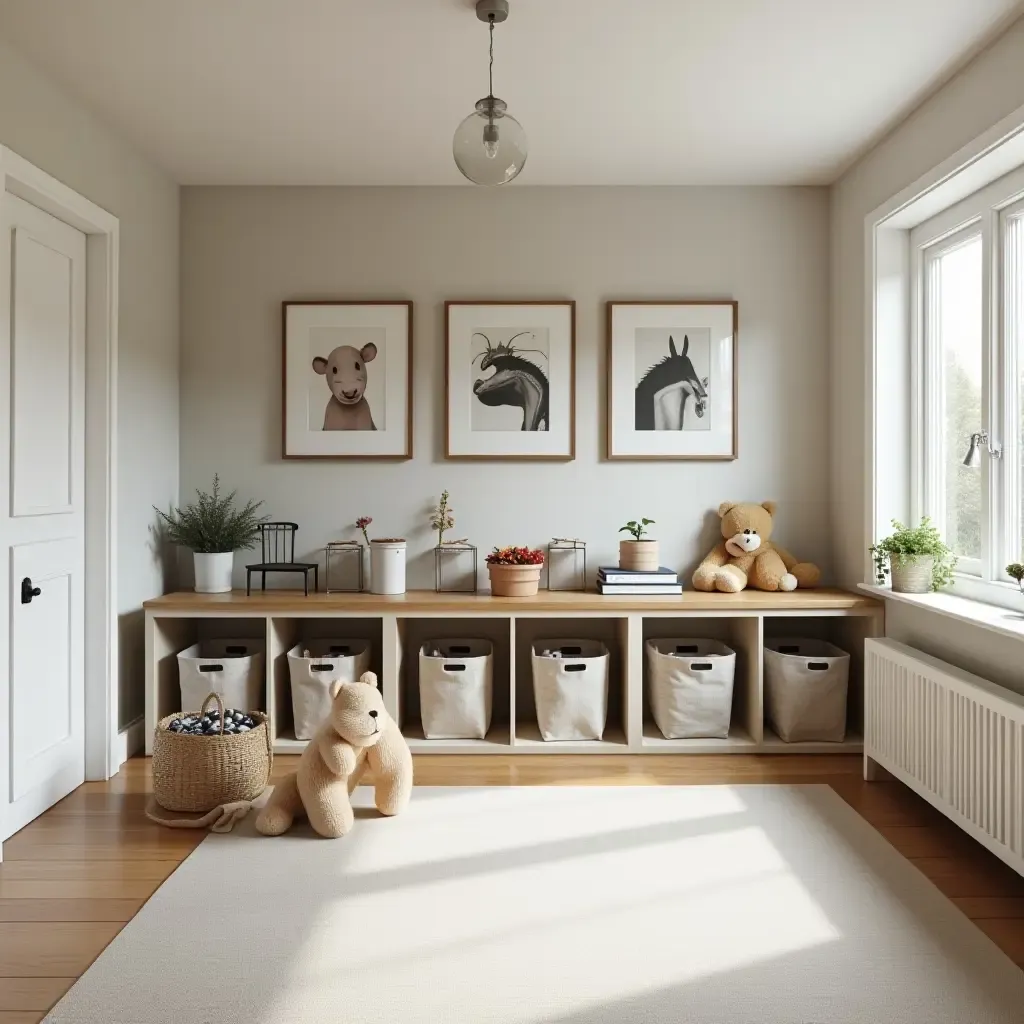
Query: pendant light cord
point(490, 70)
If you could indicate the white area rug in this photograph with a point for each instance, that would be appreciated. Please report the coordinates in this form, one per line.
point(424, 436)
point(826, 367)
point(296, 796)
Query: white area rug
point(709, 905)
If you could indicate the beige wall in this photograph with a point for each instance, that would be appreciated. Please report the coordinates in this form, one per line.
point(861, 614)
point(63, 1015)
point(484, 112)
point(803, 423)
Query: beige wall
point(988, 89)
point(244, 250)
point(45, 125)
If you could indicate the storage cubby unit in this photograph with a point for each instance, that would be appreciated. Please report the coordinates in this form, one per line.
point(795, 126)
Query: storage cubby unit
point(166, 637)
point(742, 633)
point(846, 632)
point(613, 633)
point(397, 626)
point(411, 635)
point(284, 633)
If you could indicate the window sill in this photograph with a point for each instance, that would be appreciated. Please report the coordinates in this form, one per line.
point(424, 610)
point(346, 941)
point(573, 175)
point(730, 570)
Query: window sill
point(976, 613)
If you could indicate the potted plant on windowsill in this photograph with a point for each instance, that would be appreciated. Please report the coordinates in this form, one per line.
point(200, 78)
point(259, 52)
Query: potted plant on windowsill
point(213, 529)
point(515, 572)
point(1016, 572)
point(641, 553)
point(916, 558)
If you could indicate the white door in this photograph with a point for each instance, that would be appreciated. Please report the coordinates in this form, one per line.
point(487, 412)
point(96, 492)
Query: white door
point(42, 495)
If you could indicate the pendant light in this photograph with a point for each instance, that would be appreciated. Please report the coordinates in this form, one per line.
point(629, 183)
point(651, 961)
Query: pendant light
point(490, 145)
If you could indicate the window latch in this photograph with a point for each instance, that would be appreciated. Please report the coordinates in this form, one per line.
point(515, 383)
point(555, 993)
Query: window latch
point(978, 441)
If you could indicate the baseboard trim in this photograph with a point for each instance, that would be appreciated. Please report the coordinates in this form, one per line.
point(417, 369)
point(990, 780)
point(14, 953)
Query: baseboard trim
point(131, 739)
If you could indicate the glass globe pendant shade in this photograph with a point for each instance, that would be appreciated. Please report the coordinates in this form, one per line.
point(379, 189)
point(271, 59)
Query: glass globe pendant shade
point(490, 145)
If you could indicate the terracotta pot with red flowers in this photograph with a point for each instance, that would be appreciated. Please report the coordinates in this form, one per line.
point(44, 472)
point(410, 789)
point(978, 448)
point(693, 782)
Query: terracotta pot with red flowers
point(515, 572)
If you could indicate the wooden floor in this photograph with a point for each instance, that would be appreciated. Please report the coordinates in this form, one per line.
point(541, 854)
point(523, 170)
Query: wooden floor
point(72, 879)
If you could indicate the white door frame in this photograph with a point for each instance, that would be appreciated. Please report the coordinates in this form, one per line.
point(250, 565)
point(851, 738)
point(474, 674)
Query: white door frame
point(102, 230)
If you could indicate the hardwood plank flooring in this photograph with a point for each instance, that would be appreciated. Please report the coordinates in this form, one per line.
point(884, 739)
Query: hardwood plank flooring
point(72, 879)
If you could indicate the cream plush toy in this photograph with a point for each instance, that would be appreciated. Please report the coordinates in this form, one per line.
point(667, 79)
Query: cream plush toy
point(356, 735)
point(746, 555)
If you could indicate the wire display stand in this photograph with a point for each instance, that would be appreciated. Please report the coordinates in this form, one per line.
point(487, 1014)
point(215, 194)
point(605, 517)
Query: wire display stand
point(447, 570)
point(567, 559)
point(339, 557)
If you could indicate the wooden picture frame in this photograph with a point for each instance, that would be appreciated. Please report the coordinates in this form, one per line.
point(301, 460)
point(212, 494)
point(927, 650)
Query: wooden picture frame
point(321, 417)
point(532, 418)
point(673, 380)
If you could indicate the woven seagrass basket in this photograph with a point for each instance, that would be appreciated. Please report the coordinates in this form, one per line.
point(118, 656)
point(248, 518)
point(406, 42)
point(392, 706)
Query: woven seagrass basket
point(198, 773)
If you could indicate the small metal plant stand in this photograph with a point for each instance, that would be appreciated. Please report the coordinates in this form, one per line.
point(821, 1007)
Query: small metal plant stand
point(338, 558)
point(570, 552)
point(446, 567)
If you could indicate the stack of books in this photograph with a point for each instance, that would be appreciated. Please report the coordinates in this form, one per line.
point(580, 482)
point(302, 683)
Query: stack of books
point(612, 580)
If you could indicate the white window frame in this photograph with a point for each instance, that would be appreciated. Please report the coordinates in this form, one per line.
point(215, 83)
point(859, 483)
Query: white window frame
point(983, 214)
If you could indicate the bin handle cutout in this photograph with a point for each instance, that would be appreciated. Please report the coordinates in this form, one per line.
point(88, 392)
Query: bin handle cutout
point(686, 649)
point(575, 668)
point(211, 668)
point(455, 668)
point(703, 666)
point(339, 649)
point(321, 667)
point(789, 648)
point(570, 650)
point(237, 650)
point(818, 666)
point(459, 649)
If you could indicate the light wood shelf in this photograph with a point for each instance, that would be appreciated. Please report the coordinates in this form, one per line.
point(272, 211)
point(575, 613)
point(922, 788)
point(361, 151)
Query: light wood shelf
point(396, 626)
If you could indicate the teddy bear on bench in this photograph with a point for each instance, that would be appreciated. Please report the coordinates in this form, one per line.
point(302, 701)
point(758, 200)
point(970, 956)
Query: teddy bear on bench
point(746, 555)
point(356, 735)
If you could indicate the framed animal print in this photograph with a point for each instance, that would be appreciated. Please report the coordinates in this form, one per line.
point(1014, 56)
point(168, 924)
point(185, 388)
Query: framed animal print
point(672, 380)
point(510, 371)
point(347, 380)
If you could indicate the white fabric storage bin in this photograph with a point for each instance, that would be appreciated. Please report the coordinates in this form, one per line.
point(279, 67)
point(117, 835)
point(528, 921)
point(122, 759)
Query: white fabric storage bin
point(691, 683)
point(232, 668)
point(312, 666)
point(570, 688)
point(456, 689)
point(805, 686)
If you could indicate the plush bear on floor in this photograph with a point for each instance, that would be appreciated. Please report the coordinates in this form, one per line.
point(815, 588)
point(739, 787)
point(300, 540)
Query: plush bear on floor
point(746, 555)
point(356, 735)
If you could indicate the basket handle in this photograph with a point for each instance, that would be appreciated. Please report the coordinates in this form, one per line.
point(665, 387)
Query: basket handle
point(818, 666)
point(220, 707)
point(576, 668)
point(454, 668)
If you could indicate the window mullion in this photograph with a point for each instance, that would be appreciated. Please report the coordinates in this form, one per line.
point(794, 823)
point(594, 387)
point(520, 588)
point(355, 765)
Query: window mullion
point(992, 406)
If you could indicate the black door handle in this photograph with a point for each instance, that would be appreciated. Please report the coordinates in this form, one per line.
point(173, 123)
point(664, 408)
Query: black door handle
point(28, 591)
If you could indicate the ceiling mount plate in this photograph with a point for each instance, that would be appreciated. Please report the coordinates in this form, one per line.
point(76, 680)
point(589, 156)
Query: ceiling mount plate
point(488, 10)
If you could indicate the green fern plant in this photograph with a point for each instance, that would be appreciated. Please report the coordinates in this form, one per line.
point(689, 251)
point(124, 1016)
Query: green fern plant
point(910, 541)
point(213, 523)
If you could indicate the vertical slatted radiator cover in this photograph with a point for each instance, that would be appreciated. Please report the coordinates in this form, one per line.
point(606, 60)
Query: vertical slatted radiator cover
point(954, 738)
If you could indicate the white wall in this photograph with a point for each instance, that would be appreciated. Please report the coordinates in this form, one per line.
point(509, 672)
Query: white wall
point(988, 89)
point(244, 250)
point(45, 125)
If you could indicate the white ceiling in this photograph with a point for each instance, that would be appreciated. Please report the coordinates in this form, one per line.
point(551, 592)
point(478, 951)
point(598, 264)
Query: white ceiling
point(609, 91)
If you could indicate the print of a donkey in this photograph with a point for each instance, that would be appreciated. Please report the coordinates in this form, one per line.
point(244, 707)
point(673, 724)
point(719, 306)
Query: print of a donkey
point(345, 370)
point(662, 394)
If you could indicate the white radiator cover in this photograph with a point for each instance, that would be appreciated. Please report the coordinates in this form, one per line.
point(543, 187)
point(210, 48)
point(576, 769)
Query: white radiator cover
point(952, 737)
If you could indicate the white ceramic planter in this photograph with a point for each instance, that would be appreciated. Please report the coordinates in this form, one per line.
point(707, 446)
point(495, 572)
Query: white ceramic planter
point(639, 555)
point(387, 566)
point(912, 574)
point(213, 572)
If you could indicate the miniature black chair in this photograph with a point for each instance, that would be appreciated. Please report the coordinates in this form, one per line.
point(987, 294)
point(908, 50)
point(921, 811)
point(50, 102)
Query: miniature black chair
point(277, 541)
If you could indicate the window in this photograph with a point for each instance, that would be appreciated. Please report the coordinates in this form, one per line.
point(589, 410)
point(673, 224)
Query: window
point(968, 413)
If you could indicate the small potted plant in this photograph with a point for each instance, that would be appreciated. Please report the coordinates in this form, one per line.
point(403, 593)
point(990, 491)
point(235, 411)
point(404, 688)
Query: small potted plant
point(387, 560)
point(213, 529)
point(641, 553)
point(916, 558)
point(515, 572)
